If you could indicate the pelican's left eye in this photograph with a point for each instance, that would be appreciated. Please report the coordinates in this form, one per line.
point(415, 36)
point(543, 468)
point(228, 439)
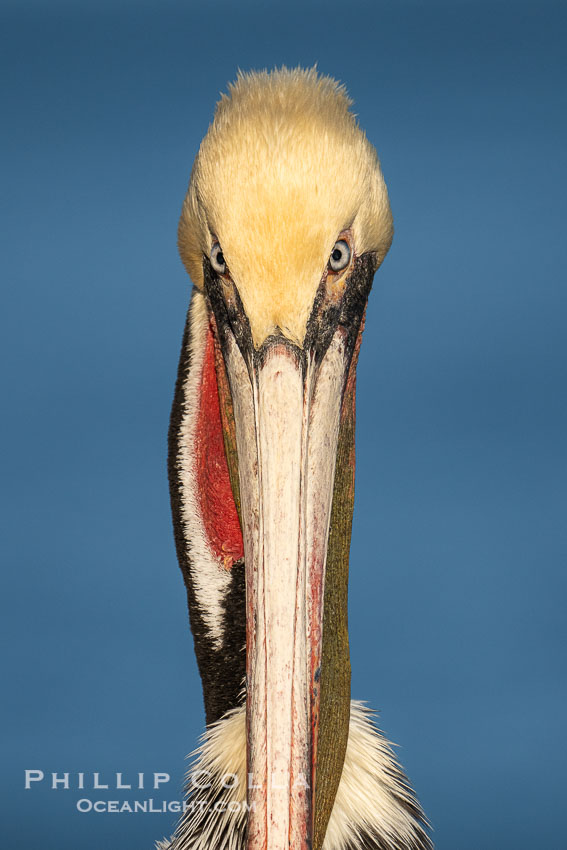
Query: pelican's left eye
point(217, 259)
point(340, 256)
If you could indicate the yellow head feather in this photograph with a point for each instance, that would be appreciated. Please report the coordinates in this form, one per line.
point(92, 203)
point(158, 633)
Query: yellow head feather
point(283, 170)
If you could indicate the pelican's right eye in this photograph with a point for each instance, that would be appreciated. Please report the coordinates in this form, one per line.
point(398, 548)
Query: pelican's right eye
point(217, 259)
point(340, 256)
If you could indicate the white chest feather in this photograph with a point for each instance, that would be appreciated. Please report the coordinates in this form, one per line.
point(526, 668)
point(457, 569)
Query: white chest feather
point(374, 807)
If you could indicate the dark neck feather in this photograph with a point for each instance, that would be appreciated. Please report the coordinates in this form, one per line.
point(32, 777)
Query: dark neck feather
point(222, 669)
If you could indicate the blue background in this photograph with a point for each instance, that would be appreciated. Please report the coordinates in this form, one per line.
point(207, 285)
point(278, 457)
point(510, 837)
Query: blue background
point(457, 606)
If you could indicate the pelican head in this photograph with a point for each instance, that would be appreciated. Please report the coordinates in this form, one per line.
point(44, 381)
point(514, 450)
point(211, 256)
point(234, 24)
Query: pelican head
point(285, 222)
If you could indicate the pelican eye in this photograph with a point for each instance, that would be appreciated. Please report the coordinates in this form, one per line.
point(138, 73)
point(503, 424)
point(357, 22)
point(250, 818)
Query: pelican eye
point(340, 256)
point(217, 259)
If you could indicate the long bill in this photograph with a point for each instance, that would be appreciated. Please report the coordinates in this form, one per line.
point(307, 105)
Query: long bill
point(287, 405)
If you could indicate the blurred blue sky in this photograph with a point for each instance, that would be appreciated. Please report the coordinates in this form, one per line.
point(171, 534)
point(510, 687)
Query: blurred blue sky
point(457, 604)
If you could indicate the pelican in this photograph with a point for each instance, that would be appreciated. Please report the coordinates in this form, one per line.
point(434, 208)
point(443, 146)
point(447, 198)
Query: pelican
point(285, 221)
